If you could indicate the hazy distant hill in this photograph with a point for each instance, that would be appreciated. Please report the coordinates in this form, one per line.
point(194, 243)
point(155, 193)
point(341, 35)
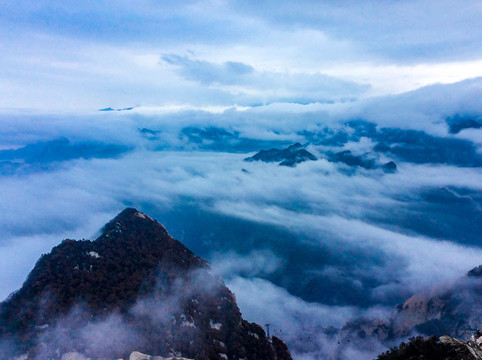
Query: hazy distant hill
point(292, 155)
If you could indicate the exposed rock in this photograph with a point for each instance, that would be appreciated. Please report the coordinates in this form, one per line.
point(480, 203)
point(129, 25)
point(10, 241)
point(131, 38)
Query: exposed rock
point(448, 310)
point(390, 167)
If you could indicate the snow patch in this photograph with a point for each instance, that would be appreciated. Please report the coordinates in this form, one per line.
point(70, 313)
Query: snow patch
point(220, 343)
point(94, 254)
point(214, 325)
point(143, 216)
point(224, 356)
point(42, 327)
point(185, 322)
point(253, 334)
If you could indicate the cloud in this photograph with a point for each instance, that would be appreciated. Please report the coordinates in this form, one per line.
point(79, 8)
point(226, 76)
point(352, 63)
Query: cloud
point(214, 180)
point(419, 257)
point(64, 57)
point(409, 31)
point(310, 330)
point(417, 30)
point(367, 239)
point(209, 73)
point(425, 109)
point(272, 304)
point(251, 86)
point(257, 262)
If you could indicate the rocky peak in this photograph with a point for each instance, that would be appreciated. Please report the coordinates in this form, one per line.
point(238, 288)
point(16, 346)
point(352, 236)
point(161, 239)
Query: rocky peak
point(132, 221)
point(135, 288)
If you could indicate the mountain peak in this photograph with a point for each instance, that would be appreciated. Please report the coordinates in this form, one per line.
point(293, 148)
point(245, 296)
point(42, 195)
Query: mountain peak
point(131, 221)
point(138, 282)
point(132, 214)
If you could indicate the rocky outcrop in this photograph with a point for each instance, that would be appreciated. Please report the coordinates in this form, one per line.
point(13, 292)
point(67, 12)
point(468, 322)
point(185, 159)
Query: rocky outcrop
point(292, 155)
point(443, 310)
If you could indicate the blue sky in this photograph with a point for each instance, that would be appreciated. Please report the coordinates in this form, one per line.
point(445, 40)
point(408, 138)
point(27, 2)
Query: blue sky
point(63, 55)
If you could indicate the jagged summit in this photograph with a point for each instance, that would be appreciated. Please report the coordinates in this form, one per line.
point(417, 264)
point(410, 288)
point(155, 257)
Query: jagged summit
point(130, 220)
point(129, 217)
point(129, 213)
point(134, 288)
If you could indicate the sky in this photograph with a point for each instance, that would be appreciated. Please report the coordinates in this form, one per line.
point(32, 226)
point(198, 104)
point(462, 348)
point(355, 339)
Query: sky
point(69, 56)
point(211, 83)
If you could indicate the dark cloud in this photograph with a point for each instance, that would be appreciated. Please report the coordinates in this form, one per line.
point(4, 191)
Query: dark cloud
point(209, 73)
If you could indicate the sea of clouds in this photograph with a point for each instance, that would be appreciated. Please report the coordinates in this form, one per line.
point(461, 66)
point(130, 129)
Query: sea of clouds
point(305, 248)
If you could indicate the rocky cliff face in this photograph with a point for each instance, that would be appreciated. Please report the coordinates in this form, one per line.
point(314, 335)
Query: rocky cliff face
point(451, 309)
point(135, 288)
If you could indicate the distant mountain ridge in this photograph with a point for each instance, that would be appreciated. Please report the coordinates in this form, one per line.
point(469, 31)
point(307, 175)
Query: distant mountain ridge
point(135, 288)
point(292, 155)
